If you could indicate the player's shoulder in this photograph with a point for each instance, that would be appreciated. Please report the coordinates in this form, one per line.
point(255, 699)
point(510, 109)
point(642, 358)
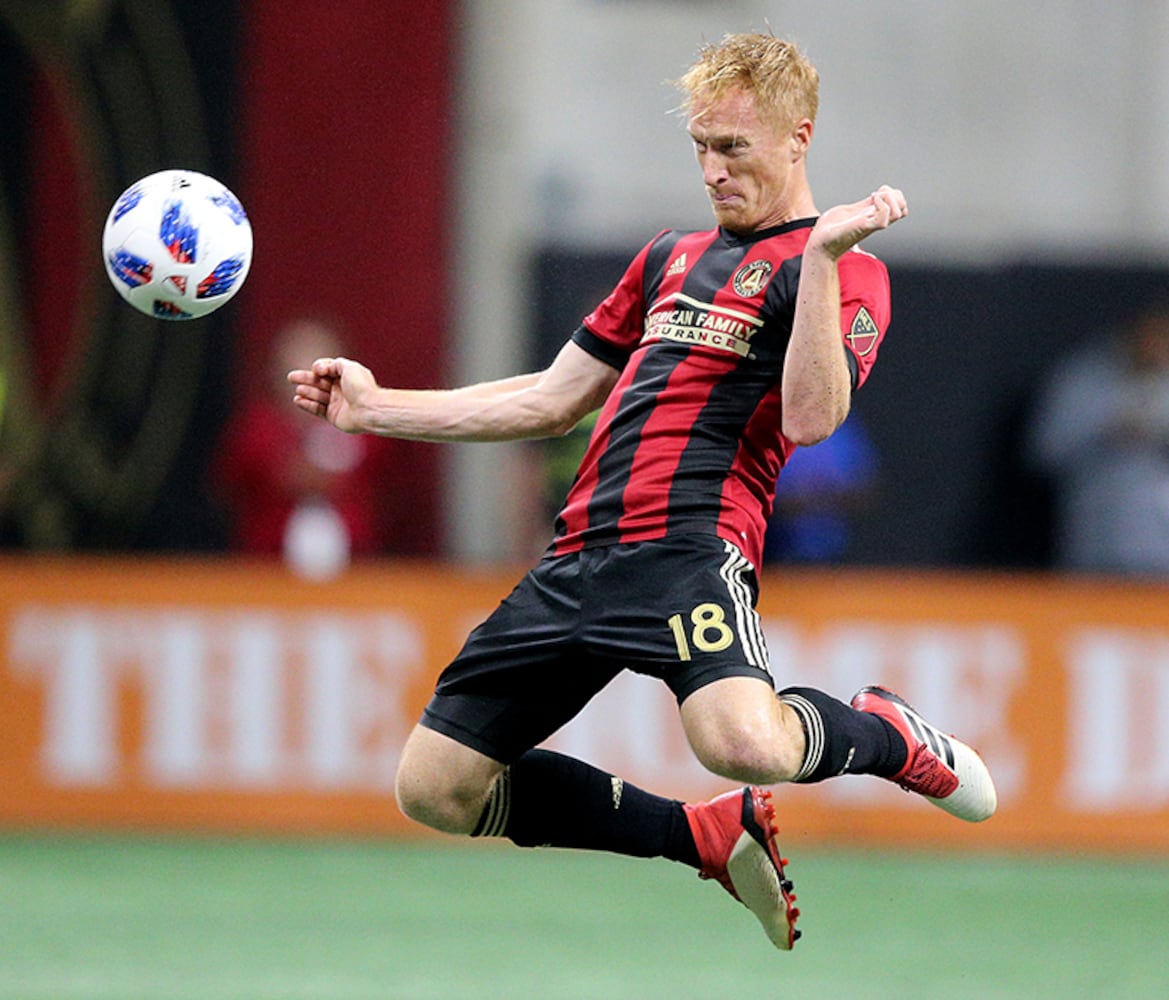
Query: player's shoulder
point(661, 248)
point(671, 237)
point(662, 242)
point(863, 264)
point(858, 256)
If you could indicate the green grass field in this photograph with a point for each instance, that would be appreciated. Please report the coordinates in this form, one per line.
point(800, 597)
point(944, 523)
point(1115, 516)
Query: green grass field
point(131, 918)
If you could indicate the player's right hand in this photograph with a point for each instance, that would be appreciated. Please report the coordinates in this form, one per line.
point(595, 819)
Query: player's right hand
point(332, 389)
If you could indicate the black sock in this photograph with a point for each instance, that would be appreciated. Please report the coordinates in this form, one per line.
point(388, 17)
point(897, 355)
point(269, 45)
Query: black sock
point(842, 740)
point(546, 799)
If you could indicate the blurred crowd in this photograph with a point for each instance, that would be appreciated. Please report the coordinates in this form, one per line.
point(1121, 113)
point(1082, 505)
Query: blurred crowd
point(1099, 434)
point(295, 487)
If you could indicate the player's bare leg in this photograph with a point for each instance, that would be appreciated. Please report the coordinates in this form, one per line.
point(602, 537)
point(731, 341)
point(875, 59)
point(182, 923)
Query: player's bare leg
point(443, 784)
point(738, 729)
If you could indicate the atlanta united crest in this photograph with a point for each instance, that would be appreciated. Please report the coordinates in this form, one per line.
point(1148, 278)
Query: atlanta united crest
point(751, 279)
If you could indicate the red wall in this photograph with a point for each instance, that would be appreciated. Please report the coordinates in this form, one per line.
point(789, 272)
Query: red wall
point(344, 144)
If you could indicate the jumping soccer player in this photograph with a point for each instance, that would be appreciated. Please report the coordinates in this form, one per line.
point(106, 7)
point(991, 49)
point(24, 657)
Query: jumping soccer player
point(714, 357)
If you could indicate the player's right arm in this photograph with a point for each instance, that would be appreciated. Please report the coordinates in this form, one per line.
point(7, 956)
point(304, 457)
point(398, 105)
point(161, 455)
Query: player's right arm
point(539, 404)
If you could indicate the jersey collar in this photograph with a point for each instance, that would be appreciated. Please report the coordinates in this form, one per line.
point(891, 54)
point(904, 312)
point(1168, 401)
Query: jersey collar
point(743, 239)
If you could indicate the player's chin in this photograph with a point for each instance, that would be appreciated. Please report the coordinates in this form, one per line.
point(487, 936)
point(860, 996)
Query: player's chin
point(734, 223)
point(730, 217)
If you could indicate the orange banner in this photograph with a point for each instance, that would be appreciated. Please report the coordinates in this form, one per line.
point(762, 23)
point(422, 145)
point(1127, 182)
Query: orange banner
point(222, 696)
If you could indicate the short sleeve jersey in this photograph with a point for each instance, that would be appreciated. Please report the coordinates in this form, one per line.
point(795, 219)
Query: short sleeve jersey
point(689, 440)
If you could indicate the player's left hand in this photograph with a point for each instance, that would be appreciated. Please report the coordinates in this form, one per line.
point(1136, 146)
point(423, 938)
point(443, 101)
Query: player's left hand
point(844, 226)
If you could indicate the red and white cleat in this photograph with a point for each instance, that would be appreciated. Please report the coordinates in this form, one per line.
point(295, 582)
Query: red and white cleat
point(735, 834)
point(940, 767)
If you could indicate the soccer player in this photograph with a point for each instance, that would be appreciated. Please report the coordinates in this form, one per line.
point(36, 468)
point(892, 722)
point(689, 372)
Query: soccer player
point(717, 353)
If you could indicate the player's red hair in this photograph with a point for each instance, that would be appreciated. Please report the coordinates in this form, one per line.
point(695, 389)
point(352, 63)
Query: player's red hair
point(784, 81)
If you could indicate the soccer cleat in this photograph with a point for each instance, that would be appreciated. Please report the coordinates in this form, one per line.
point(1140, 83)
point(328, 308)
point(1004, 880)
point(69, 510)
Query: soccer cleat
point(735, 836)
point(942, 768)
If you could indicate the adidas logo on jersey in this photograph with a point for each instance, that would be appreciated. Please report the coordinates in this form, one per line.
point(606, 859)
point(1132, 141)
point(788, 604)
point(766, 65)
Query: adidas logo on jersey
point(677, 267)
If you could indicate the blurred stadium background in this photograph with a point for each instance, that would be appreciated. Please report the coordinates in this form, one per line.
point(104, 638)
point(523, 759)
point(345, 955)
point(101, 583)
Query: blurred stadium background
point(197, 744)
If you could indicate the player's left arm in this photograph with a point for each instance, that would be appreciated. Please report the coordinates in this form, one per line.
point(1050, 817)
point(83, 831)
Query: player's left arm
point(817, 381)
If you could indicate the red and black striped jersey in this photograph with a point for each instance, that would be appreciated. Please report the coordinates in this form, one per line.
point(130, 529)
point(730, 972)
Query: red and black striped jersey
point(689, 440)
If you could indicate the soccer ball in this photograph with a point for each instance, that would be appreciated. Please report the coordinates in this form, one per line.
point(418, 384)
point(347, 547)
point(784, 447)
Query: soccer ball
point(177, 244)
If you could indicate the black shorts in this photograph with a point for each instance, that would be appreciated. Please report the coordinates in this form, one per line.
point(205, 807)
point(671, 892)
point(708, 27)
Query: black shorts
point(681, 609)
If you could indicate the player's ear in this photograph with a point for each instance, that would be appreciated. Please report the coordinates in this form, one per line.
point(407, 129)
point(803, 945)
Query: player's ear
point(801, 137)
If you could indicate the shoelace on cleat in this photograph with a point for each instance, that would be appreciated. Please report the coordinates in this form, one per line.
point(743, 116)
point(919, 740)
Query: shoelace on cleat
point(927, 775)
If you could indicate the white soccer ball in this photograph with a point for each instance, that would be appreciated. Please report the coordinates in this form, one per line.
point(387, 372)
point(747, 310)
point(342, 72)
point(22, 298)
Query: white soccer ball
point(177, 244)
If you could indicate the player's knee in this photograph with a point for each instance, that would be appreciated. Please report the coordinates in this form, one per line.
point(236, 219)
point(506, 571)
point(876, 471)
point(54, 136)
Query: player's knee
point(738, 730)
point(744, 761)
point(755, 754)
point(436, 801)
point(443, 784)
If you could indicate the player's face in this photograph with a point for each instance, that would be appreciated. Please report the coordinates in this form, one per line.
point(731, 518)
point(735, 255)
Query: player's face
point(753, 169)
